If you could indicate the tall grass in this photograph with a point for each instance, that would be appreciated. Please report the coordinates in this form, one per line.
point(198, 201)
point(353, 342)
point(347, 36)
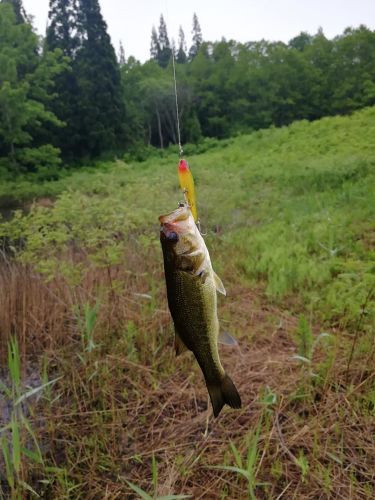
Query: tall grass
point(18, 442)
point(288, 215)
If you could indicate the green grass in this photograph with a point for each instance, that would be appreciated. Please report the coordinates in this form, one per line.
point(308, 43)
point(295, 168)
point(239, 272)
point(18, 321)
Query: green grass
point(293, 208)
point(289, 221)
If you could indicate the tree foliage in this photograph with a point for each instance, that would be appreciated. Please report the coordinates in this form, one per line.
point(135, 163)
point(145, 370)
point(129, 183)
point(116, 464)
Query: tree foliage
point(100, 104)
point(89, 92)
point(18, 10)
point(73, 93)
point(26, 87)
point(196, 36)
point(181, 56)
point(236, 87)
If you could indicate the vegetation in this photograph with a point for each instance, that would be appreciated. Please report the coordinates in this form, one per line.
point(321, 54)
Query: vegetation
point(68, 94)
point(287, 214)
point(26, 80)
point(93, 402)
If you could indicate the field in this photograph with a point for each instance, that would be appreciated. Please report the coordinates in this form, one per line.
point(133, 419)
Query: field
point(95, 404)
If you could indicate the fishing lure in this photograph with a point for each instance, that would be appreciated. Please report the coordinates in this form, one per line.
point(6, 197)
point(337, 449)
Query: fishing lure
point(187, 185)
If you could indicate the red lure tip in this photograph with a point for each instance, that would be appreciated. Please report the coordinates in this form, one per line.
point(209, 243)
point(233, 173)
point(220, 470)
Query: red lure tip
point(183, 166)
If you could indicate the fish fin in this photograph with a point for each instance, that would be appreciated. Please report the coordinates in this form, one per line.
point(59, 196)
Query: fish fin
point(219, 284)
point(179, 345)
point(222, 393)
point(227, 339)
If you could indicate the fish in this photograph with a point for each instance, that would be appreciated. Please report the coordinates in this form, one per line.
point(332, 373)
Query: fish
point(192, 287)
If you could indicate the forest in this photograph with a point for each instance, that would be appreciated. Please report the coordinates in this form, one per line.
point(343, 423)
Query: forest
point(67, 98)
point(279, 137)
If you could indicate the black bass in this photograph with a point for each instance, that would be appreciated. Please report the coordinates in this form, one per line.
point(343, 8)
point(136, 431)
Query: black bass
point(191, 289)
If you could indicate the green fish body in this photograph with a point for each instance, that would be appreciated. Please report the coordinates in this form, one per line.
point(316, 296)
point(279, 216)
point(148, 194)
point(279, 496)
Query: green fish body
point(192, 286)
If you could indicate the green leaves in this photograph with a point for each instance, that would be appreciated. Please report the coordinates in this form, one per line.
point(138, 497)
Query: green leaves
point(25, 88)
point(145, 496)
point(246, 468)
point(18, 430)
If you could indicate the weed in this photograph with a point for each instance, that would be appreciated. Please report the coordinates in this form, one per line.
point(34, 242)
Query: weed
point(288, 214)
point(15, 438)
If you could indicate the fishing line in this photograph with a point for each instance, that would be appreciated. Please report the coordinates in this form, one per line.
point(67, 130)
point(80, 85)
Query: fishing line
point(180, 150)
point(186, 184)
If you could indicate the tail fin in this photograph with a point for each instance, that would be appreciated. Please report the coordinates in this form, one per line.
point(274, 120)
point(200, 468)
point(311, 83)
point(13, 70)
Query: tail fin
point(223, 392)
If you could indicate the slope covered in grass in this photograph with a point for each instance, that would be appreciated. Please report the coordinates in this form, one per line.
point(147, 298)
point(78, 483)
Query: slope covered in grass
point(292, 208)
point(289, 219)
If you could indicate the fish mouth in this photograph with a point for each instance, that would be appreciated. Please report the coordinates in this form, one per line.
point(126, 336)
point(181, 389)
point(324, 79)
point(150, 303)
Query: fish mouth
point(180, 214)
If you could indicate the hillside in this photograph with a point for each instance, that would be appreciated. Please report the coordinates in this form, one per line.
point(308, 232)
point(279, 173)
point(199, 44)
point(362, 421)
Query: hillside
point(288, 216)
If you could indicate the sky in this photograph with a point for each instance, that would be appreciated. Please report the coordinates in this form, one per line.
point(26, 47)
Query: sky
point(242, 20)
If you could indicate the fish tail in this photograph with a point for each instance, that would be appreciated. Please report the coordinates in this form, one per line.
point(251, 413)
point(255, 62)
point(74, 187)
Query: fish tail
point(223, 392)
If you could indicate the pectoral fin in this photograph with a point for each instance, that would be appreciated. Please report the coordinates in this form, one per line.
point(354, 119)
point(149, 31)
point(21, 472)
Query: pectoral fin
point(179, 345)
point(227, 339)
point(219, 284)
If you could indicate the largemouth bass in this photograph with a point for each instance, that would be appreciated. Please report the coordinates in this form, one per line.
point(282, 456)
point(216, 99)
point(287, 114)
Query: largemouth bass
point(191, 289)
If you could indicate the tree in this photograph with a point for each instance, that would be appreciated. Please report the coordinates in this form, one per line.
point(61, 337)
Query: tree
point(197, 37)
point(136, 129)
point(62, 34)
point(62, 27)
point(353, 70)
point(18, 9)
point(155, 47)
point(229, 88)
point(181, 53)
point(90, 93)
point(165, 51)
point(301, 41)
point(25, 93)
point(121, 55)
point(100, 106)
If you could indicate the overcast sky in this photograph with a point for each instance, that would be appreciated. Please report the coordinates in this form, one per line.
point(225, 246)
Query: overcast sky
point(242, 20)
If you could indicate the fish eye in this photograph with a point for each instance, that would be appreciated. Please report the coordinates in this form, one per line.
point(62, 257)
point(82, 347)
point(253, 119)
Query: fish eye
point(172, 237)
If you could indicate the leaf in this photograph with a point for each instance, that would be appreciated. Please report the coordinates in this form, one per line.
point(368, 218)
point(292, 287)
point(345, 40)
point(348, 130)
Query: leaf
point(35, 457)
point(231, 468)
point(173, 497)
point(16, 444)
point(236, 454)
point(139, 491)
point(34, 391)
point(143, 295)
point(32, 434)
point(301, 358)
point(27, 487)
point(5, 390)
point(334, 457)
point(8, 463)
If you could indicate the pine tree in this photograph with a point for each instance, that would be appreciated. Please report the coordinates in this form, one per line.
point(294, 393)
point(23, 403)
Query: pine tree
point(62, 34)
point(197, 37)
point(62, 26)
point(165, 51)
point(19, 11)
point(100, 105)
point(181, 53)
point(121, 55)
point(155, 47)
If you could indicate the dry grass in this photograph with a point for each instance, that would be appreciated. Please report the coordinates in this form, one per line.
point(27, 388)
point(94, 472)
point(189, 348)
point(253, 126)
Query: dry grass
point(129, 399)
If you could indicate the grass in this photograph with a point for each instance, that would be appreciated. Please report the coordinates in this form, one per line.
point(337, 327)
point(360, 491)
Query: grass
point(288, 215)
